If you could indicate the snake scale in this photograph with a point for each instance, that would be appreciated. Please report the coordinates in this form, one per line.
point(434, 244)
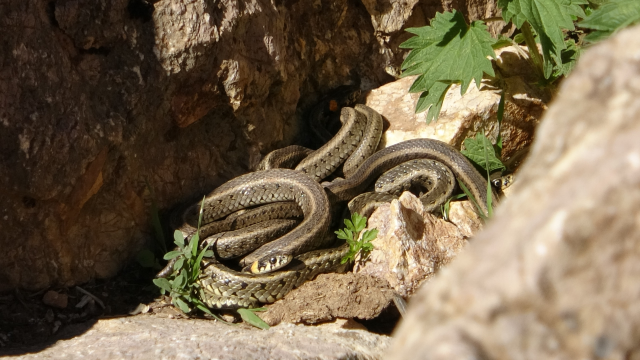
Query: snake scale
point(223, 287)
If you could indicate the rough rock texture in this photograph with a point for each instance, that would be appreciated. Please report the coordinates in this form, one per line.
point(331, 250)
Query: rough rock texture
point(97, 99)
point(150, 337)
point(331, 296)
point(412, 245)
point(555, 274)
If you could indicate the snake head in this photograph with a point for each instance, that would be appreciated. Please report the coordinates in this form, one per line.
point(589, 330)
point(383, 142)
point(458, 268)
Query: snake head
point(270, 263)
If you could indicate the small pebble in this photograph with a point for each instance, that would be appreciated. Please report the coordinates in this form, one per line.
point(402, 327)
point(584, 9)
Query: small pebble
point(55, 299)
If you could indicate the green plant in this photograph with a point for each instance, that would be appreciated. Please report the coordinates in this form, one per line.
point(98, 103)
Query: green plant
point(482, 154)
point(182, 285)
point(359, 246)
point(450, 51)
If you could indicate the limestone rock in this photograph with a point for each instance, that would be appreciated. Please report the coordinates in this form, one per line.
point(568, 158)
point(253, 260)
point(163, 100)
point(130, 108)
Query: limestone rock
point(412, 245)
point(555, 274)
point(151, 337)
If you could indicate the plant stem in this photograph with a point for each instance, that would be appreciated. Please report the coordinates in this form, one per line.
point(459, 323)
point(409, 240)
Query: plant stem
point(534, 54)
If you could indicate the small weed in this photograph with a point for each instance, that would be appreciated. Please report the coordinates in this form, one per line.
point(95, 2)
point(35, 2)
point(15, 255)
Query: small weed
point(359, 246)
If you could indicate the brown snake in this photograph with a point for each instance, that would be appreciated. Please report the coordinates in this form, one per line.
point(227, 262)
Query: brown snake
point(225, 288)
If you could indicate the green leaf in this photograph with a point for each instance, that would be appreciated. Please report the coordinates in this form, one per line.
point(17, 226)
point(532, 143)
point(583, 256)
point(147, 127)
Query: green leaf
point(447, 51)
point(350, 226)
point(518, 39)
point(182, 305)
point(193, 244)
point(568, 60)
point(475, 151)
point(172, 254)
point(253, 319)
point(360, 222)
point(201, 212)
point(208, 253)
point(611, 17)
point(473, 200)
point(146, 258)
point(178, 265)
point(178, 238)
point(548, 18)
point(502, 42)
point(369, 235)
point(433, 100)
point(163, 284)
point(196, 266)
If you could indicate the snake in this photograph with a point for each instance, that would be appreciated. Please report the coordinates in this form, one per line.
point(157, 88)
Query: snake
point(222, 287)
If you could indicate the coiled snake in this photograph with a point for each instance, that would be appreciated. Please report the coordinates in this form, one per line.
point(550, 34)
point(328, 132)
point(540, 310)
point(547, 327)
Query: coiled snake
point(227, 288)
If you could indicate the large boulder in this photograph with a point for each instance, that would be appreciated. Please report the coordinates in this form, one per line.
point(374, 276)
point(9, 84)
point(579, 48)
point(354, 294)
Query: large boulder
point(555, 273)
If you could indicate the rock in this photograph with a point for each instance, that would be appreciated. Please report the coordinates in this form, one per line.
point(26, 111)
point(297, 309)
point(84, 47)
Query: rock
point(101, 99)
point(412, 245)
point(55, 299)
point(555, 274)
point(462, 116)
point(331, 296)
point(150, 337)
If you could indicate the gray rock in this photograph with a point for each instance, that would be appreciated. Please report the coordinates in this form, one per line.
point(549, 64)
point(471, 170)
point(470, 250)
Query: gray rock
point(151, 337)
point(555, 273)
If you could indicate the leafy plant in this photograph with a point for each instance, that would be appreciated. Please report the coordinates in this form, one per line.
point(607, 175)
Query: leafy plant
point(447, 52)
point(359, 246)
point(182, 285)
point(450, 51)
point(482, 153)
point(610, 17)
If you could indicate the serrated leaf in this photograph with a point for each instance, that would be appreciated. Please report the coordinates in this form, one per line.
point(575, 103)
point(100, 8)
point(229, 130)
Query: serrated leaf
point(178, 238)
point(568, 60)
point(163, 284)
point(610, 17)
point(475, 151)
point(548, 18)
point(249, 317)
point(448, 51)
point(172, 254)
point(433, 100)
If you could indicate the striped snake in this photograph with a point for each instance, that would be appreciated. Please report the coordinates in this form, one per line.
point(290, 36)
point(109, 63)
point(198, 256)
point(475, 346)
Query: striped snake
point(292, 254)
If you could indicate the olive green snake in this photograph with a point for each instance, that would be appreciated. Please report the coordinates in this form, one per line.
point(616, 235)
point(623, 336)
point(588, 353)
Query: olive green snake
point(293, 255)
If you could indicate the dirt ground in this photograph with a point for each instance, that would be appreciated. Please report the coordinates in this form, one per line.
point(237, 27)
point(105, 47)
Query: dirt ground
point(33, 320)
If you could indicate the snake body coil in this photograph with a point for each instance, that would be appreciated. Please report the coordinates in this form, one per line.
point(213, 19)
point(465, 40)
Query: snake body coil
point(225, 288)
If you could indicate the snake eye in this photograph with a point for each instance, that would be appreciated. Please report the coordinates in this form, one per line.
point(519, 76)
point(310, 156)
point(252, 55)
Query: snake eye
point(273, 260)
